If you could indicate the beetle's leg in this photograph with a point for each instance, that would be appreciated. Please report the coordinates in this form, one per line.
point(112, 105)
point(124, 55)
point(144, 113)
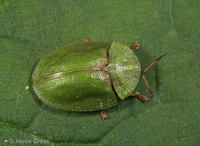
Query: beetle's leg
point(147, 85)
point(155, 62)
point(135, 46)
point(144, 78)
point(86, 40)
point(104, 115)
point(141, 97)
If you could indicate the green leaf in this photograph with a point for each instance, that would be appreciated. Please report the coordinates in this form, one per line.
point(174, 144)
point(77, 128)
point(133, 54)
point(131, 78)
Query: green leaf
point(30, 29)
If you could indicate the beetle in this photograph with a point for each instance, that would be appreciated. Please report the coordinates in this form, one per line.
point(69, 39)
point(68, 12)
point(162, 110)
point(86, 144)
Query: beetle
point(89, 76)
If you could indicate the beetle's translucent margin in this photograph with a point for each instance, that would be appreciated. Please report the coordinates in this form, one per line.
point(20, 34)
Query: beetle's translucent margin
point(138, 78)
point(139, 72)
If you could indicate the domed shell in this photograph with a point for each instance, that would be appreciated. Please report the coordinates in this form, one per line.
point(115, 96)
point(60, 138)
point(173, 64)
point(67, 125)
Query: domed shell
point(71, 78)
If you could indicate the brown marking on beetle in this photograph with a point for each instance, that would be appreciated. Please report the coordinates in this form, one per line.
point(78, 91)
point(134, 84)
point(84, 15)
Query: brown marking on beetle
point(86, 49)
point(105, 72)
point(105, 65)
point(109, 80)
point(61, 74)
point(93, 69)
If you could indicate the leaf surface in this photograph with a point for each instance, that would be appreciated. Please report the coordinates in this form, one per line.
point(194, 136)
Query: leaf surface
point(30, 29)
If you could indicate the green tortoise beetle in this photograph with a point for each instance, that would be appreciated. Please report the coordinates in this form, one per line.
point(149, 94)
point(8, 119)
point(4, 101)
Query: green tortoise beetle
point(89, 76)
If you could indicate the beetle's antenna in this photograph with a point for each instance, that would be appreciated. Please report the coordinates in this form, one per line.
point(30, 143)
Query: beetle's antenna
point(144, 78)
point(155, 62)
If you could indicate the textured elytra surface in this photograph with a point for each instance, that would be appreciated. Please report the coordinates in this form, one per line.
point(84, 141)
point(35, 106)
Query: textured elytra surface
point(30, 29)
point(71, 78)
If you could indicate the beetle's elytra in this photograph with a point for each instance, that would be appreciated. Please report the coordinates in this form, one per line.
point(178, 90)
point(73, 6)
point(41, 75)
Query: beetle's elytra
point(87, 76)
